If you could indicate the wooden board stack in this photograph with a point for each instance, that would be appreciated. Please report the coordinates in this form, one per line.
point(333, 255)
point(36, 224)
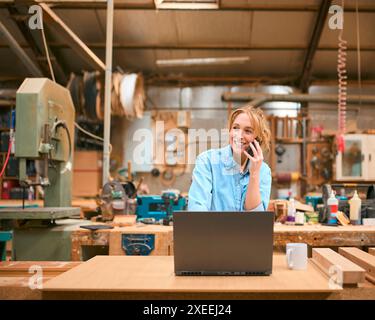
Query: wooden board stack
point(361, 258)
point(330, 262)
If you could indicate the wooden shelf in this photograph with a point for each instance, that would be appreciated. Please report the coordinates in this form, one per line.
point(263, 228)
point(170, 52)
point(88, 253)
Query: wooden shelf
point(289, 140)
point(353, 183)
point(297, 140)
point(14, 178)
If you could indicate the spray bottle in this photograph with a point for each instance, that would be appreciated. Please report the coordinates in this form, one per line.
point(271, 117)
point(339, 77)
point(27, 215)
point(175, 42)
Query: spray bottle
point(291, 212)
point(333, 206)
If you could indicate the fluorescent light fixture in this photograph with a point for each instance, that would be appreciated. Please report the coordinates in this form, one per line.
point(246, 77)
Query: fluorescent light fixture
point(201, 61)
point(186, 4)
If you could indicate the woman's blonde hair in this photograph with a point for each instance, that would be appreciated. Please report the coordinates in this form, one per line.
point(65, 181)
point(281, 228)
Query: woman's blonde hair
point(259, 123)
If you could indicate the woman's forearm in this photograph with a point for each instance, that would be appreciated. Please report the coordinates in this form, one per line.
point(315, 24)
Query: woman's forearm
point(253, 197)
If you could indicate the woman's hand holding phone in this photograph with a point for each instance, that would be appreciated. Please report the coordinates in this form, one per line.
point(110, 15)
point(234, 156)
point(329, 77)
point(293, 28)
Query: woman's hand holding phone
point(255, 154)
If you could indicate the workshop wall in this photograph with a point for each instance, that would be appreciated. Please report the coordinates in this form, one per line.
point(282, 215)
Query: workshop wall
point(325, 114)
point(207, 112)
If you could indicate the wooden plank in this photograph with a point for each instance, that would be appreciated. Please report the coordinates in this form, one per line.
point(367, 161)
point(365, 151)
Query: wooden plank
point(74, 41)
point(21, 268)
point(124, 220)
point(371, 251)
point(326, 258)
point(303, 207)
point(17, 288)
point(156, 274)
point(361, 258)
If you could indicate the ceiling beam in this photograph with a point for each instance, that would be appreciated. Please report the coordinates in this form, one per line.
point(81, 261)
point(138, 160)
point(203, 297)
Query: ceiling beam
point(36, 46)
point(123, 4)
point(72, 39)
point(143, 46)
point(261, 98)
point(313, 45)
point(30, 65)
point(167, 80)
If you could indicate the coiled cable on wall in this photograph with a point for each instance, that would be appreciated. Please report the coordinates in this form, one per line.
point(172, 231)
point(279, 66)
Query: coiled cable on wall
point(342, 89)
point(358, 53)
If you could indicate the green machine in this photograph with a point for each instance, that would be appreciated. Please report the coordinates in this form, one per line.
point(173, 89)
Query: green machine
point(44, 132)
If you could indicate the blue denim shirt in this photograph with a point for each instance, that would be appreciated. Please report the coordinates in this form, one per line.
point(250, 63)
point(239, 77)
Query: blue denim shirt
point(219, 185)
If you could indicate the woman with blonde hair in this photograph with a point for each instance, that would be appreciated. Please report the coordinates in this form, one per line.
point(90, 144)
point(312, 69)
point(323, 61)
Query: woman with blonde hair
point(235, 178)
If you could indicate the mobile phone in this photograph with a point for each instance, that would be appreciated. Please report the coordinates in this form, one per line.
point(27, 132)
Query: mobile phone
point(249, 150)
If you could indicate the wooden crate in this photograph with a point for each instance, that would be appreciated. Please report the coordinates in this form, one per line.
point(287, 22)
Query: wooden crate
point(163, 239)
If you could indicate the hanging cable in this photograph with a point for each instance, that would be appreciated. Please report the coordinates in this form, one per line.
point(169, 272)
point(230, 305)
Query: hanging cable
point(68, 163)
point(358, 54)
point(7, 158)
point(11, 141)
point(91, 135)
point(342, 87)
point(47, 53)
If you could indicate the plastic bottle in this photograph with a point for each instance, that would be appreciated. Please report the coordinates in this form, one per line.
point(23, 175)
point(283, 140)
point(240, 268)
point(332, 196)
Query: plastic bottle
point(333, 205)
point(291, 212)
point(355, 209)
point(300, 218)
point(31, 194)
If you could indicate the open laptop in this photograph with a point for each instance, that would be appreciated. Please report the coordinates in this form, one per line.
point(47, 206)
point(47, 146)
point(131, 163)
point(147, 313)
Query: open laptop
point(223, 243)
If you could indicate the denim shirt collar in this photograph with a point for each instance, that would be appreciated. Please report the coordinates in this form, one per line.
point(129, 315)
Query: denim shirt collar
point(229, 162)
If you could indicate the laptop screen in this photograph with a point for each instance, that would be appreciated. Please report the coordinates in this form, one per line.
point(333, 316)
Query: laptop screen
point(223, 242)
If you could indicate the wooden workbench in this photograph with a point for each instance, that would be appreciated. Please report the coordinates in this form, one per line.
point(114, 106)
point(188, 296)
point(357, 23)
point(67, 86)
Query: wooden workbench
point(112, 277)
point(313, 235)
point(325, 236)
point(153, 277)
point(112, 239)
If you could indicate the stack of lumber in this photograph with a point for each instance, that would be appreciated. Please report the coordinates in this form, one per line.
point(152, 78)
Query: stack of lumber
point(334, 264)
point(16, 276)
point(361, 258)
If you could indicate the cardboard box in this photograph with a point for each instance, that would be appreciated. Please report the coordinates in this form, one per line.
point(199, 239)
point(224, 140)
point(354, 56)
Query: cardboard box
point(87, 173)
